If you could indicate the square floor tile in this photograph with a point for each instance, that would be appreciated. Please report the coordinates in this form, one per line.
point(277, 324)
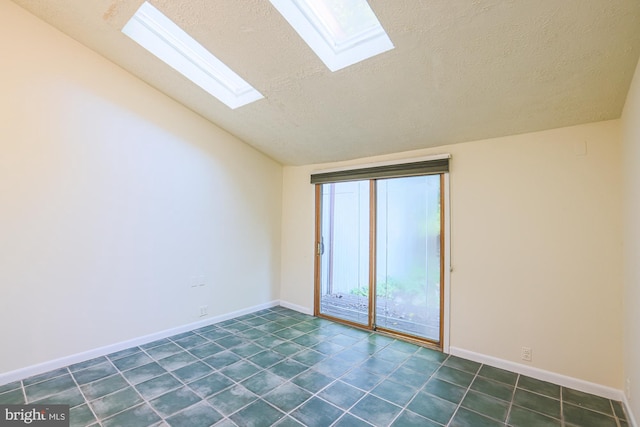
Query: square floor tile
point(13, 397)
point(375, 410)
point(266, 358)
point(287, 422)
point(48, 387)
point(348, 420)
point(240, 370)
point(379, 366)
point(155, 343)
point(72, 397)
point(312, 381)
point(411, 419)
point(288, 348)
point(537, 402)
point(177, 361)
point(498, 374)
point(123, 353)
point(139, 416)
point(158, 386)
point(230, 341)
point(486, 405)
point(392, 355)
point(309, 357)
point(192, 372)
point(341, 394)
point(394, 392)
point(454, 376)
point(87, 364)
point(206, 350)
point(520, 417)
point(493, 388)
point(117, 402)
point(210, 384)
point(222, 359)
point(104, 386)
point(263, 382)
point(466, 418)
point(132, 361)
point(538, 386)
point(164, 350)
point(144, 372)
point(288, 333)
point(287, 397)
point(81, 416)
point(332, 367)
point(361, 379)
point(11, 386)
point(199, 415)
point(269, 341)
point(584, 417)
point(317, 413)
point(191, 341)
point(462, 364)
point(94, 373)
point(229, 401)
point(445, 390)
point(421, 365)
point(432, 355)
point(288, 368)
point(174, 401)
point(586, 400)
point(257, 414)
point(409, 377)
point(248, 349)
point(432, 407)
point(45, 376)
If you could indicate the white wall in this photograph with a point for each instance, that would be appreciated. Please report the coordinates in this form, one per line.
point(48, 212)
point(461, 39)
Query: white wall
point(112, 196)
point(536, 248)
point(631, 211)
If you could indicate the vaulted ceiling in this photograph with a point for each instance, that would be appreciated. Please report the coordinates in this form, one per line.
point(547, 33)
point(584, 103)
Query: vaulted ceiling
point(461, 70)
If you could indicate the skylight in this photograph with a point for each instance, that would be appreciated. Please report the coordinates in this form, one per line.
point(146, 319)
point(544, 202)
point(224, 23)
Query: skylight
point(162, 37)
point(340, 32)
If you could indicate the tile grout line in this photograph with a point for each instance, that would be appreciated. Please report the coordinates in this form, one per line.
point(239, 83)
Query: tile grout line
point(86, 401)
point(513, 398)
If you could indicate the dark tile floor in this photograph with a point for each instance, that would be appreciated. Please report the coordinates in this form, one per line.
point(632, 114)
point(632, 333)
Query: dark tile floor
point(280, 367)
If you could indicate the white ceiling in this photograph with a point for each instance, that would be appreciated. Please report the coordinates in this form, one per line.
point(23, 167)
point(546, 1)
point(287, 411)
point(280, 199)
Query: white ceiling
point(461, 70)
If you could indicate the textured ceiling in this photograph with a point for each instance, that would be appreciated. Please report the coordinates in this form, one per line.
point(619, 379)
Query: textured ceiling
point(461, 70)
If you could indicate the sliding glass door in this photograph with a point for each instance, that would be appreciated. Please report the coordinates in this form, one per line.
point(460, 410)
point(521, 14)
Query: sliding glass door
point(344, 251)
point(408, 230)
point(379, 260)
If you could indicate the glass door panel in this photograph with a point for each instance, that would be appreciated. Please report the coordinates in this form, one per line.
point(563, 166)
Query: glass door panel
point(408, 265)
point(344, 249)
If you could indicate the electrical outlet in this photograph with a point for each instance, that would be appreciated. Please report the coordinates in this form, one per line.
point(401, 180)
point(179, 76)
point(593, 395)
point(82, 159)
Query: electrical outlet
point(525, 354)
point(201, 280)
point(627, 388)
point(193, 281)
point(204, 310)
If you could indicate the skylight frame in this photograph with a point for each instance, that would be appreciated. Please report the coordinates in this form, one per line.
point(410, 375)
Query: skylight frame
point(159, 35)
point(336, 55)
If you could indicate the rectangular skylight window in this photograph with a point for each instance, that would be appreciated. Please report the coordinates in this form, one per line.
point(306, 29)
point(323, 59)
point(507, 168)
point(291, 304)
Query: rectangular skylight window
point(162, 37)
point(340, 32)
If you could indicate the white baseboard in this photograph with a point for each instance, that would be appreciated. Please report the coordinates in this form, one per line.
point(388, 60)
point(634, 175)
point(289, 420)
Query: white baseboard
point(631, 420)
point(541, 374)
point(296, 307)
point(51, 365)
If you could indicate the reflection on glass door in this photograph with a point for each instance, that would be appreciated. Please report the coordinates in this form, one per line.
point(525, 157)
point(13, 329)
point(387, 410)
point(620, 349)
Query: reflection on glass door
point(408, 256)
point(344, 250)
